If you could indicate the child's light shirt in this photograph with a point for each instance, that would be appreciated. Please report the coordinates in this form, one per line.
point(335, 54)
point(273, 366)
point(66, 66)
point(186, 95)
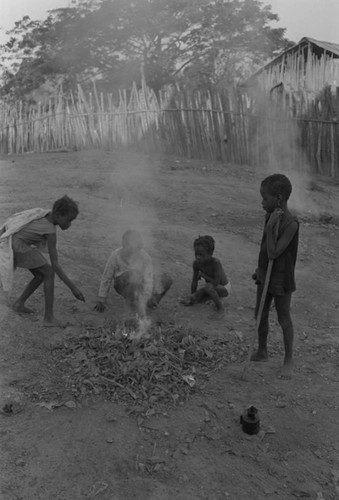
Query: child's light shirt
point(34, 233)
point(116, 266)
point(7, 230)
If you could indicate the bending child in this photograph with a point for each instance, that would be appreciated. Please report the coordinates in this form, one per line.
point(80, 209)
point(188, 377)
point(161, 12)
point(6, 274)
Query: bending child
point(130, 268)
point(275, 191)
point(29, 232)
point(210, 269)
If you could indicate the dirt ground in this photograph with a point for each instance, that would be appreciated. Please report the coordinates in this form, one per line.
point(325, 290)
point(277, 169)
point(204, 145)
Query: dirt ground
point(93, 447)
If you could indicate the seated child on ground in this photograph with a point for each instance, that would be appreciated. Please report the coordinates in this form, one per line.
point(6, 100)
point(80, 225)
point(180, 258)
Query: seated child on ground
point(26, 234)
point(130, 268)
point(208, 268)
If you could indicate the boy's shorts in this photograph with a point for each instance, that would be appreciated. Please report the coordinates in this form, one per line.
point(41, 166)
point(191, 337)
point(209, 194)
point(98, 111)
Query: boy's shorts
point(276, 285)
point(224, 290)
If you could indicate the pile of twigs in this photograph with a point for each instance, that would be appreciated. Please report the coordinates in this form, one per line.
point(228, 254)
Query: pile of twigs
point(165, 367)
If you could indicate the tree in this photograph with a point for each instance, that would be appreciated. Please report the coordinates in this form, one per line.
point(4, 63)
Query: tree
point(120, 41)
point(236, 38)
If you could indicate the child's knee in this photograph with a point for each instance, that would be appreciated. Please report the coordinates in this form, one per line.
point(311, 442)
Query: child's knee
point(47, 271)
point(209, 288)
point(284, 321)
point(224, 290)
point(37, 275)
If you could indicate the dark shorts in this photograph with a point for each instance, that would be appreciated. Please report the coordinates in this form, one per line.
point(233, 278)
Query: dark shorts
point(276, 284)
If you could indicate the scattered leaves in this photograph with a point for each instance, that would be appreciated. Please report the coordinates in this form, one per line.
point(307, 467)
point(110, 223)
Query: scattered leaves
point(166, 366)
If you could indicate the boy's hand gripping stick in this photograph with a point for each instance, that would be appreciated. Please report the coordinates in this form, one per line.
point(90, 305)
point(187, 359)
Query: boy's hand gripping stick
point(262, 299)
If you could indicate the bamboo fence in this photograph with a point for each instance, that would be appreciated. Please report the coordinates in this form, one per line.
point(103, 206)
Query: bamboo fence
point(287, 129)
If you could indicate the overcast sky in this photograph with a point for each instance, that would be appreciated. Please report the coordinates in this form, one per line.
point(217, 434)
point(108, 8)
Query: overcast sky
point(317, 19)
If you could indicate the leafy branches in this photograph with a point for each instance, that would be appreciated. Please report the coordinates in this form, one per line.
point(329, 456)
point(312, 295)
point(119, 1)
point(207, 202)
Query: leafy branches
point(117, 42)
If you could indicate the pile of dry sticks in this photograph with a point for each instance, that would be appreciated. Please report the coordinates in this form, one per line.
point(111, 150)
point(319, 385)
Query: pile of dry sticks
point(165, 367)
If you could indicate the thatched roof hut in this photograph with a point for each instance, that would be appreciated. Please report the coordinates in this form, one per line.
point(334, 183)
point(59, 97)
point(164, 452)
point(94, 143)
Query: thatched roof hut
point(310, 65)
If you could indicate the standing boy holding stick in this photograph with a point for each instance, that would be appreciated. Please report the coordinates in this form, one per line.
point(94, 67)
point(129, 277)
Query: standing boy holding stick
point(275, 191)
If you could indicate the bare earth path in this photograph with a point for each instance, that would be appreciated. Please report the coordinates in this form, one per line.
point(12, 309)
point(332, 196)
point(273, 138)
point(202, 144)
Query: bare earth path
point(93, 447)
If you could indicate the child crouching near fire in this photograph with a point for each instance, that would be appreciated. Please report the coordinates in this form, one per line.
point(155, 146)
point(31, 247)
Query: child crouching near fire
point(130, 268)
point(205, 266)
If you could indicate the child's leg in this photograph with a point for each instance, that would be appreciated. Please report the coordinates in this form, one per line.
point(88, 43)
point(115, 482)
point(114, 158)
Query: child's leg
point(282, 304)
point(196, 297)
point(165, 283)
point(261, 354)
point(19, 304)
point(49, 274)
point(199, 296)
point(213, 292)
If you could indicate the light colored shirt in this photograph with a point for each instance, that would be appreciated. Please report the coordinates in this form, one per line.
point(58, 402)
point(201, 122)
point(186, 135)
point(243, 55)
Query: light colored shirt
point(7, 230)
point(34, 233)
point(116, 266)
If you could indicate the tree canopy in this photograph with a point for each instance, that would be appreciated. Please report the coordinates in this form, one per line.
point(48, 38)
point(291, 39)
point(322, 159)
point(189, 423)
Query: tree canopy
point(116, 42)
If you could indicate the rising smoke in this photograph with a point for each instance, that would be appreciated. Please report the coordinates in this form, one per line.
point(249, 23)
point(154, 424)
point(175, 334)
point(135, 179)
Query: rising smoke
point(280, 144)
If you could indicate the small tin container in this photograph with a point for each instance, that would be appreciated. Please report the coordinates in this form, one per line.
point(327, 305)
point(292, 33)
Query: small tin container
point(250, 421)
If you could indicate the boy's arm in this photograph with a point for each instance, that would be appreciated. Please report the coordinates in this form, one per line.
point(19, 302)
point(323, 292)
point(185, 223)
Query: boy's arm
point(53, 254)
point(276, 248)
point(107, 278)
point(195, 278)
point(206, 277)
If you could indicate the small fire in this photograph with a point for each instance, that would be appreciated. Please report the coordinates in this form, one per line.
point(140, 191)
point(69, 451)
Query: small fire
point(135, 328)
point(142, 328)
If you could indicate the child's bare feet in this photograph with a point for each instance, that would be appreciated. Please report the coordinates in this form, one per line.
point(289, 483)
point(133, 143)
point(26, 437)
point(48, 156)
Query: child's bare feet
point(260, 355)
point(286, 371)
point(21, 308)
point(53, 322)
point(218, 314)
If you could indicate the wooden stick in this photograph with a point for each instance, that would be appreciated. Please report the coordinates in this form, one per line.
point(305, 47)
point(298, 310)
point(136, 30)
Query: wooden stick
point(258, 320)
point(261, 306)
